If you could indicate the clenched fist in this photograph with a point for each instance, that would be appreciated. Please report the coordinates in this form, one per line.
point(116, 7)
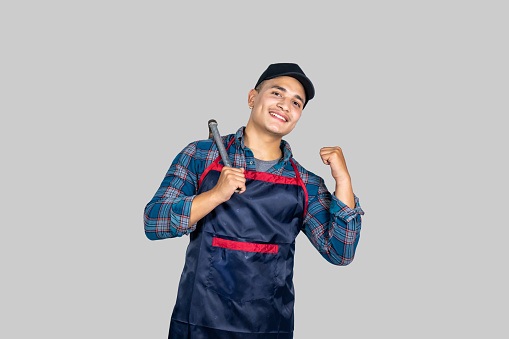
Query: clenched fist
point(333, 156)
point(230, 179)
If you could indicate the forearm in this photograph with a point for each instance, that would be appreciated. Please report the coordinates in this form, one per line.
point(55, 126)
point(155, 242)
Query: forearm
point(169, 218)
point(202, 205)
point(344, 192)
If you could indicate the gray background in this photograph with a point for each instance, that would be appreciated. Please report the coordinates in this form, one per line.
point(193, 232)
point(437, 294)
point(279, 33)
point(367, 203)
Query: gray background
point(97, 98)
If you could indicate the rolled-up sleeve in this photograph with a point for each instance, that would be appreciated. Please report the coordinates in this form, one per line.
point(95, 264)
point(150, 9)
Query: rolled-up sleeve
point(167, 214)
point(332, 227)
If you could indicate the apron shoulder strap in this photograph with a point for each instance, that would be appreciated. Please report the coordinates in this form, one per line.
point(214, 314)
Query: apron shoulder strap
point(301, 183)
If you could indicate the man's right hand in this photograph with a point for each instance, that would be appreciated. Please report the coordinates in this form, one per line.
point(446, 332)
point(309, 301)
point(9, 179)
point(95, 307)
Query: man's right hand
point(230, 179)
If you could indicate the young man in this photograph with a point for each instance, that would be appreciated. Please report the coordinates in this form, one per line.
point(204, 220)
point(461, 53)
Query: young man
point(237, 279)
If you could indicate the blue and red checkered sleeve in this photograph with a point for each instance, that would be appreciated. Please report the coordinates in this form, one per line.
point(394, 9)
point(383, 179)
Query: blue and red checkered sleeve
point(167, 214)
point(332, 227)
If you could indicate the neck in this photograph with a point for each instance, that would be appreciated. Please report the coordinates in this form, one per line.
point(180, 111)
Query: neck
point(264, 147)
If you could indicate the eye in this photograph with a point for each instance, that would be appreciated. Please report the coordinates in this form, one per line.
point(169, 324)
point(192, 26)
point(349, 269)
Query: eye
point(296, 103)
point(276, 93)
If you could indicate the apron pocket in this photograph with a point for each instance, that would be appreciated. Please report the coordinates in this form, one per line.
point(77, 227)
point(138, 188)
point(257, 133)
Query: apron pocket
point(242, 271)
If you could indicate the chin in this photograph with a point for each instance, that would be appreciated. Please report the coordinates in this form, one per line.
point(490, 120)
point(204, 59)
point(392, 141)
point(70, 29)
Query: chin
point(278, 132)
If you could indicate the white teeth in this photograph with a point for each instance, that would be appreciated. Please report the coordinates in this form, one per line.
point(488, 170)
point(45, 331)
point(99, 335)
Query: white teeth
point(277, 116)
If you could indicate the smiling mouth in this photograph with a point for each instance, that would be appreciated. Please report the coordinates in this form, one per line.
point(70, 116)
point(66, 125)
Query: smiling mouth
point(278, 116)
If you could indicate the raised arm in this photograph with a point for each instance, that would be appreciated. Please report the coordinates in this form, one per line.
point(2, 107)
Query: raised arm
point(333, 222)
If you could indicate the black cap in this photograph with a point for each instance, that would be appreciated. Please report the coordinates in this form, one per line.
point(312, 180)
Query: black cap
point(289, 70)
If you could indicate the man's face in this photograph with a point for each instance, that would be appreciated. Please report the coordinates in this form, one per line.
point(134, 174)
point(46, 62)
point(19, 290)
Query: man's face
point(277, 106)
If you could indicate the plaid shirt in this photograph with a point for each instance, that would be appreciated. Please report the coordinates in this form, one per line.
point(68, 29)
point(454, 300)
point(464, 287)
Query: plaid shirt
point(332, 227)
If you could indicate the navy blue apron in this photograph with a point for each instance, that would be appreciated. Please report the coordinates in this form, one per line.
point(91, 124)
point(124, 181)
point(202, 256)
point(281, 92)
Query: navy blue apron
point(237, 280)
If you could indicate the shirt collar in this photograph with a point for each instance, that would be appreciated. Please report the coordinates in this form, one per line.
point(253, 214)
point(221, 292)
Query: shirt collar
point(285, 146)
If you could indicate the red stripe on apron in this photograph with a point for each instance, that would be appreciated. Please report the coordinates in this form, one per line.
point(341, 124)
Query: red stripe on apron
point(244, 246)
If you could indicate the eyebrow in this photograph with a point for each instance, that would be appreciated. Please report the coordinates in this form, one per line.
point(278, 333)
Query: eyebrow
point(284, 90)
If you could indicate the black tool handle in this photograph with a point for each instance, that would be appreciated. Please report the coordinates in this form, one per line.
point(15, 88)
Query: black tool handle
point(219, 143)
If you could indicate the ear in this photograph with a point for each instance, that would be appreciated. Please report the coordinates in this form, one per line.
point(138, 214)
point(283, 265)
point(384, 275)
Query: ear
point(251, 97)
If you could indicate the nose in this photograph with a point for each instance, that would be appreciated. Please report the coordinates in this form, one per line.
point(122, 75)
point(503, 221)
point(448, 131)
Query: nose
point(284, 103)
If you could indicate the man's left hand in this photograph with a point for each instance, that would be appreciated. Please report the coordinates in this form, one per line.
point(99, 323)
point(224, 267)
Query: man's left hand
point(333, 156)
